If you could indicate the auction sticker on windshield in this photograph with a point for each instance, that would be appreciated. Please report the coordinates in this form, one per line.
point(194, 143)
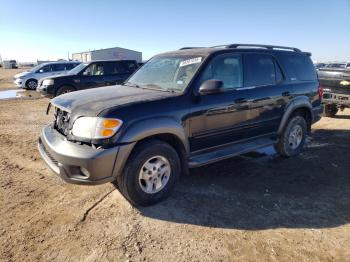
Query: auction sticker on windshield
point(191, 61)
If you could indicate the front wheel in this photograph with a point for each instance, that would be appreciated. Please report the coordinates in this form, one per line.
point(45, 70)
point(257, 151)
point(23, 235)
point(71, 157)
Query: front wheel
point(150, 173)
point(292, 140)
point(31, 84)
point(64, 90)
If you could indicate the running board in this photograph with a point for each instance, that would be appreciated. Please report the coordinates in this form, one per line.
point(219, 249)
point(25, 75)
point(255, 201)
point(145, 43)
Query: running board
point(228, 151)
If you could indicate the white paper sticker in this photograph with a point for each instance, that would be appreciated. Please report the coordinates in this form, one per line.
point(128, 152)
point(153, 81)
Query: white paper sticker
point(191, 61)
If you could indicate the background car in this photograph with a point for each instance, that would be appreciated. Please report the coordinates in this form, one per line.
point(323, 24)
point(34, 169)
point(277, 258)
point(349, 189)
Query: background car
point(88, 75)
point(30, 79)
point(338, 65)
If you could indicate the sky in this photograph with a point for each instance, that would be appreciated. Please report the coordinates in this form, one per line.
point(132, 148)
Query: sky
point(49, 30)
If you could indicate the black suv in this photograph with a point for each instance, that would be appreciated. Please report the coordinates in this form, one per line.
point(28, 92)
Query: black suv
point(180, 110)
point(88, 75)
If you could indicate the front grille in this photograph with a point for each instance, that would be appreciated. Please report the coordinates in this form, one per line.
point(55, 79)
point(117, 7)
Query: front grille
point(62, 121)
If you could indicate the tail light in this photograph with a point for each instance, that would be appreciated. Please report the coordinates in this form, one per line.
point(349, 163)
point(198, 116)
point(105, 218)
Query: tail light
point(320, 91)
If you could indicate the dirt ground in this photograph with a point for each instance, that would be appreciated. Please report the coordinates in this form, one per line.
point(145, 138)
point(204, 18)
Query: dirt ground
point(6, 77)
point(254, 207)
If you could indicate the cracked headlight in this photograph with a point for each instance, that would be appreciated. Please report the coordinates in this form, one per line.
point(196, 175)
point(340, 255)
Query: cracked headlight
point(96, 127)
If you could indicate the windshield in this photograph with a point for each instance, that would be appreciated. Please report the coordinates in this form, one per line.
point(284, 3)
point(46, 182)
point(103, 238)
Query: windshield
point(77, 69)
point(167, 73)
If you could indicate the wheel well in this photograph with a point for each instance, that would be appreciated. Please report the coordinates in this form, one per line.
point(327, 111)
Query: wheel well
point(31, 79)
point(305, 113)
point(173, 141)
point(69, 85)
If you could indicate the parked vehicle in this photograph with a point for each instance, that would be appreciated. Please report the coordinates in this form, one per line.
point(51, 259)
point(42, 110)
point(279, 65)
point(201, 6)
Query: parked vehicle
point(336, 89)
point(180, 110)
point(320, 65)
point(88, 75)
point(30, 79)
point(338, 65)
point(10, 64)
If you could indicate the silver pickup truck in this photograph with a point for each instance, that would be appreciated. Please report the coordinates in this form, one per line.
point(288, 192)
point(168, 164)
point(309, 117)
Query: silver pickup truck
point(336, 89)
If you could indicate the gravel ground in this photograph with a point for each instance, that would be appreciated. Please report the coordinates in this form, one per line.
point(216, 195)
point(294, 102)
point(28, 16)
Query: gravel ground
point(247, 208)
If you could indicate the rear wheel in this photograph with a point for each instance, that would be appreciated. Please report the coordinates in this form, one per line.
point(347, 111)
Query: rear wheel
point(150, 173)
point(64, 90)
point(330, 110)
point(31, 84)
point(292, 140)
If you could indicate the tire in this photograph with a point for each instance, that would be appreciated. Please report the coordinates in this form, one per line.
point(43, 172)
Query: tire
point(132, 183)
point(297, 129)
point(31, 84)
point(64, 90)
point(330, 110)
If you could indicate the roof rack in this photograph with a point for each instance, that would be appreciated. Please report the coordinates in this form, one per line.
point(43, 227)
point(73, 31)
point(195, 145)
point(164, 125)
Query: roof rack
point(271, 47)
point(190, 47)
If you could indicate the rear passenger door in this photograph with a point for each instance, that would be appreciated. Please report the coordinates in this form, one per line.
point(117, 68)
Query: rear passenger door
point(266, 93)
point(114, 73)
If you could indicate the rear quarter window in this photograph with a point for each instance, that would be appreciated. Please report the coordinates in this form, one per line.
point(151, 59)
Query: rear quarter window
point(298, 67)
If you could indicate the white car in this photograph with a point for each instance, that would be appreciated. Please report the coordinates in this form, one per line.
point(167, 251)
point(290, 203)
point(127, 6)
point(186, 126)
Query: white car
point(30, 79)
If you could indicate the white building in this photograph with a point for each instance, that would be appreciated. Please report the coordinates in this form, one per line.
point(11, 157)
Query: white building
point(114, 53)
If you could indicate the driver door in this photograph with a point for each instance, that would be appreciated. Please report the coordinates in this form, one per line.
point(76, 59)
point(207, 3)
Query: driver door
point(93, 76)
point(220, 118)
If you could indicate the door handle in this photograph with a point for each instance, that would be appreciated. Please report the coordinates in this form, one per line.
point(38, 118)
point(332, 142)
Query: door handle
point(286, 93)
point(240, 100)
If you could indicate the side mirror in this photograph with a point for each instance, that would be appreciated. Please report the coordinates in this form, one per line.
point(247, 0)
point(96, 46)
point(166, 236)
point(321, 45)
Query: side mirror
point(212, 86)
point(41, 71)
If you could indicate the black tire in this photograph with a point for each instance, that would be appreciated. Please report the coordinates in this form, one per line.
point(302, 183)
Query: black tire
point(31, 84)
point(284, 147)
point(330, 110)
point(129, 183)
point(64, 90)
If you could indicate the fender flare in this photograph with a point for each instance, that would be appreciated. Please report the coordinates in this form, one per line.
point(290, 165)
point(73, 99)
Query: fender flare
point(296, 103)
point(155, 126)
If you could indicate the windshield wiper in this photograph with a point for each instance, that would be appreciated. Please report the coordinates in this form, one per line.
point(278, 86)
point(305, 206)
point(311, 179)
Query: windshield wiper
point(131, 84)
point(158, 88)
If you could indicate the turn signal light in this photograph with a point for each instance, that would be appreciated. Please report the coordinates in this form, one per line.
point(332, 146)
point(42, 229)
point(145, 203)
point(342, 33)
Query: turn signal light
point(111, 123)
point(106, 132)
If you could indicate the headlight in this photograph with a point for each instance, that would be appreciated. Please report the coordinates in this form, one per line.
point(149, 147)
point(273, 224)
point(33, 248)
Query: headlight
point(48, 82)
point(96, 127)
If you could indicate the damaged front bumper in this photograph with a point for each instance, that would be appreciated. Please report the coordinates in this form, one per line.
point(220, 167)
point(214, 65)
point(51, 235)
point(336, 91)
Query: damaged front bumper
point(80, 164)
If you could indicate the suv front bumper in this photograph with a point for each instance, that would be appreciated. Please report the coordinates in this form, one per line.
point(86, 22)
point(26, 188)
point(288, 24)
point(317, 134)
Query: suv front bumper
point(45, 90)
point(19, 82)
point(77, 163)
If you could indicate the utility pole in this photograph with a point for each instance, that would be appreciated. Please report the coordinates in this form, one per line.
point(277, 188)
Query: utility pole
point(68, 56)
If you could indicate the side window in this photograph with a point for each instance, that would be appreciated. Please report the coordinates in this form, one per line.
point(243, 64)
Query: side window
point(70, 66)
point(299, 67)
point(227, 68)
point(129, 66)
point(260, 70)
point(95, 69)
point(112, 68)
point(45, 69)
point(58, 67)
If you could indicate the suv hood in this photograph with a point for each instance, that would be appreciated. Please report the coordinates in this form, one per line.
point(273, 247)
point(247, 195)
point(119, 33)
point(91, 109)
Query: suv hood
point(22, 74)
point(91, 102)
